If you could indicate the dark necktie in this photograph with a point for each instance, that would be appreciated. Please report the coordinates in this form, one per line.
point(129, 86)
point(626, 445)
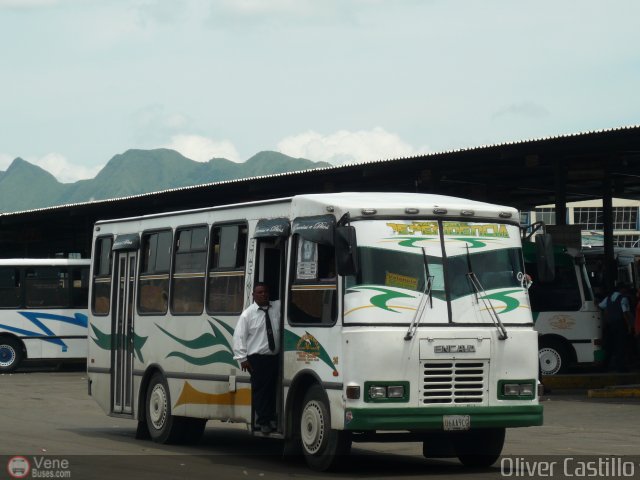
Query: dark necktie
point(269, 327)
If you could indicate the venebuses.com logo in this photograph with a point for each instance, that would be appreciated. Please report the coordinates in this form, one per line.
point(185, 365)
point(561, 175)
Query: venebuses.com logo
point(18, 467)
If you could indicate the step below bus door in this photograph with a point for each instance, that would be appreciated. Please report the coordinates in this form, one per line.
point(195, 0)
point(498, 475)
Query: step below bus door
point(123, 333)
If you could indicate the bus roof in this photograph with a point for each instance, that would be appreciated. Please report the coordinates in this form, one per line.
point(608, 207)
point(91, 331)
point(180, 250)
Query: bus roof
point(43, 262)
point(397, 204)
point(385, 204)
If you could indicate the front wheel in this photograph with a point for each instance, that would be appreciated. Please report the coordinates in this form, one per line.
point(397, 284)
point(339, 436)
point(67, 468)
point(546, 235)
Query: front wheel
point(479, 448)
point(322, 446)
point(11, 354)
point(553, 357)
point(163, 426)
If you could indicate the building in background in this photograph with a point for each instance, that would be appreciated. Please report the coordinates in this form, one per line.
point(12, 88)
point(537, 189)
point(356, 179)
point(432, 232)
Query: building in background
point(588, 214)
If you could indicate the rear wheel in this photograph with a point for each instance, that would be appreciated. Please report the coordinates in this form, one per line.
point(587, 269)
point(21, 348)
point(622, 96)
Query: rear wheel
point(554, 357)
point(322, 446)
point(479, 448)
point(11, 354)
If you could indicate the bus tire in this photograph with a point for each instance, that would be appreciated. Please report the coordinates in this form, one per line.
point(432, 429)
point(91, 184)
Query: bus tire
point(11, 354)
point(479, 448)
point(553, 356)
point(163, 426)
point(322, 447)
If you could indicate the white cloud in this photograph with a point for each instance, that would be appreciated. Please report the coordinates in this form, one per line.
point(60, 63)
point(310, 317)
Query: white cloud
point(62, 169)
point(345, 146)
point(203, 149)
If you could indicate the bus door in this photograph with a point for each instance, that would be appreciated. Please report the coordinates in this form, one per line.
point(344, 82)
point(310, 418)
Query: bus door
point(271, 243)
point(122, 326)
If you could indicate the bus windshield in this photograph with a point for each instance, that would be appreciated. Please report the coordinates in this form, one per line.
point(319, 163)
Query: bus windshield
point(393, 270)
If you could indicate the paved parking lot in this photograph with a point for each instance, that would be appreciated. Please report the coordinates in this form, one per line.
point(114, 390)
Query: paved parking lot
point(49, 414)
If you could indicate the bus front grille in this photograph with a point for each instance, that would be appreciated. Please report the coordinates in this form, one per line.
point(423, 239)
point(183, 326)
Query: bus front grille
point(461, 382)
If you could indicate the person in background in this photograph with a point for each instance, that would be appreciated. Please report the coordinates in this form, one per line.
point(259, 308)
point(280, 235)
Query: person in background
point(617, 320)
point(255, 347)
point(635, 332)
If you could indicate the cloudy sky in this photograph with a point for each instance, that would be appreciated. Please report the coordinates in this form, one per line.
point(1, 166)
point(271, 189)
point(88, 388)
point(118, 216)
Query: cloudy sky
point(333, 80)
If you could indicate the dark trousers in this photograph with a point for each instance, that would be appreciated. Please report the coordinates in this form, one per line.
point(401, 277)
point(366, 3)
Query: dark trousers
point(615, 340)
point(264, 379)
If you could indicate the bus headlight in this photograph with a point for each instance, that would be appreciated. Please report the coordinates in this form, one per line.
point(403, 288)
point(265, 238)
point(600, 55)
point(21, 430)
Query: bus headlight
point(526, 390)
point(395, 391)
point(386, 391)
point(511, 389)
point(377, 392)
point(516, 389)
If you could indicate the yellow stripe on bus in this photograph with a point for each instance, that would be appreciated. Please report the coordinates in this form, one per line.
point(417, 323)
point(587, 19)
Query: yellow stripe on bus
point(191, 395)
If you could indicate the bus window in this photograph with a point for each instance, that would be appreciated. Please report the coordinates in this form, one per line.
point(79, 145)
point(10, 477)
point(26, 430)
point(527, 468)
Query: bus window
point(102, 276)
point(313, 291)
point(80, 287)
point(188, 272)
point(9, 287)
point(563, 294)
point(226, 269)
point(46, 287)
point(154, 273)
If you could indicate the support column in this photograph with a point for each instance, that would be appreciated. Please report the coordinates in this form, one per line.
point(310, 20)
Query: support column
point(560, 176)
point(610, 267)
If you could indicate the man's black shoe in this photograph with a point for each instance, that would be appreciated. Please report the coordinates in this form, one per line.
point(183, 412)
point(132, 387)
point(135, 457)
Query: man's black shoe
point(266, 429)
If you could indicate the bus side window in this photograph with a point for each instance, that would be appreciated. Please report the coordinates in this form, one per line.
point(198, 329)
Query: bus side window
point(46, 287)
point(562, 294)
point(227, 262)
point(153, 296)
point(312, 298)
point(187, 281)
point(102, 276)
point(80, 287)
point(9, 287)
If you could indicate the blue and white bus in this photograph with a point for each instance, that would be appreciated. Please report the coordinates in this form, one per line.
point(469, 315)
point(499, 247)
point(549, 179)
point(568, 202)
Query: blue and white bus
point(43, 310)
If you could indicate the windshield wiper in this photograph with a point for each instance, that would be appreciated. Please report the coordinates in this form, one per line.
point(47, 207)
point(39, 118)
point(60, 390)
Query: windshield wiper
point(479, 289)
point(426, 295)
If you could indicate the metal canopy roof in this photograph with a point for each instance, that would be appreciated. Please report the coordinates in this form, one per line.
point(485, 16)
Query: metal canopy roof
point(519, 174)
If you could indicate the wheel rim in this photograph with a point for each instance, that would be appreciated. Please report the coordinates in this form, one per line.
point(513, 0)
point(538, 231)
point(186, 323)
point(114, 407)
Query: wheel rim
point(158, 407)
point(312, 427)
point(7, 355)
point(550, 361)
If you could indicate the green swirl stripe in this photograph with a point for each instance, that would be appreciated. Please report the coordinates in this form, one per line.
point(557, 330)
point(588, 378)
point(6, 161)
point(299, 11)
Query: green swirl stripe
point(218, 357)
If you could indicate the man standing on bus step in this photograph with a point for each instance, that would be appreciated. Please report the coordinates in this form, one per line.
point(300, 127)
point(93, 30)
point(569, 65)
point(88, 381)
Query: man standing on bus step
point(255, 347)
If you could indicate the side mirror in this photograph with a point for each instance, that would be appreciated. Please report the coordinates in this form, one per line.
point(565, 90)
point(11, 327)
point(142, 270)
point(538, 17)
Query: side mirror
point(545, 259)
point(346, 250)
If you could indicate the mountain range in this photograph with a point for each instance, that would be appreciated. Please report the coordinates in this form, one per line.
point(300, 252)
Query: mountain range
point(24, 186)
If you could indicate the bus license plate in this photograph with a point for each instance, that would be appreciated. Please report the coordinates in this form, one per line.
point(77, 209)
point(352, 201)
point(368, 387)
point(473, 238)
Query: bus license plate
point(456, 422)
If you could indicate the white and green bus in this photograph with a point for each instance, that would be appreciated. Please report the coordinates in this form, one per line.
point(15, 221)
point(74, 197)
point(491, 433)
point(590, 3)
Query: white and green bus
point(43, 310)
point(405, 317)
point(565, 312)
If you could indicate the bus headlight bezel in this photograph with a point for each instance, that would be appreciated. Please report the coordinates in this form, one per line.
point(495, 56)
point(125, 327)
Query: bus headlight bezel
point(517, 389)
point(386, 391)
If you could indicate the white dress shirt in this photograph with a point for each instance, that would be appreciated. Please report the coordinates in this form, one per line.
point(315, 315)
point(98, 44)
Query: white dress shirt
point(250, 335)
